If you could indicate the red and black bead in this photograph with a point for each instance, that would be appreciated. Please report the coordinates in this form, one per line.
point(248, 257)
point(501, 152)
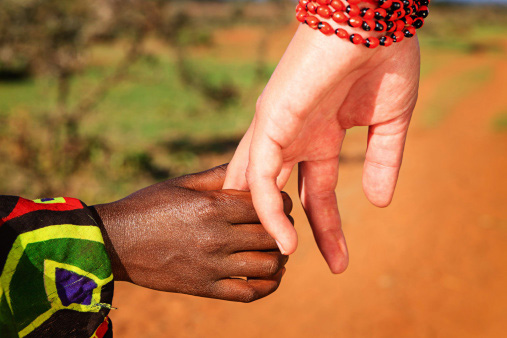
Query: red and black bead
point(352, 10)
point(323, 2)
point(312, 21)
point(391, 27)
point(400, 14)
point(355, 22)
point(418, 23)
point(380, 26)
point(371, 42)
point(385, 41)
point(423, 12)
point(341, 33)
point(396, 5)
point(367, 13)
point(385, 3)
point(397, 36)
point(368, 25)
point(356, 39)
point(311, 7)
point(409, 32)
point(325, 28)
point(380, 13)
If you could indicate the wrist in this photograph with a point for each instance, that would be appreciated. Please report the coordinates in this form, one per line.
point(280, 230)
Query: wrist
point(107, 221)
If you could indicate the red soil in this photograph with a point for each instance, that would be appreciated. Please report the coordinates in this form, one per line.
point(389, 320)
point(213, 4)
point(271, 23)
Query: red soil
point(433, 264)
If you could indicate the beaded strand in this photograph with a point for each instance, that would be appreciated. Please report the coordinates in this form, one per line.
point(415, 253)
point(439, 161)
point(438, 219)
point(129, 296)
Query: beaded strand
point(399, 19)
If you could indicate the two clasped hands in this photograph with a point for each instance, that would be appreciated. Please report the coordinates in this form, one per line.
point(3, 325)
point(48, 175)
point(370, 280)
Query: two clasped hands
point(199, 233)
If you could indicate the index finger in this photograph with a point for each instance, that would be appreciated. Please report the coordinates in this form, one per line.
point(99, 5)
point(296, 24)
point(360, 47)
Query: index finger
point(239, 208)
point(264, 167)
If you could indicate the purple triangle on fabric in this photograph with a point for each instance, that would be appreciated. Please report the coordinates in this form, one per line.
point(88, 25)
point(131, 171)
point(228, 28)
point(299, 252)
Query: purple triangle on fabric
point(73, 287)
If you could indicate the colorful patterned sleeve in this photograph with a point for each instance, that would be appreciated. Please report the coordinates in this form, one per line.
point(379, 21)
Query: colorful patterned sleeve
point(56, 278)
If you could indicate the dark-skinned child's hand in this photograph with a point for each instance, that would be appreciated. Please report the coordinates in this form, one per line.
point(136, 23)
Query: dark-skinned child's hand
point(186, 235)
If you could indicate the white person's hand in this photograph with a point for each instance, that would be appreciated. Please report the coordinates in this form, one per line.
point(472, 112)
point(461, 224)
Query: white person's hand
point(322, 86)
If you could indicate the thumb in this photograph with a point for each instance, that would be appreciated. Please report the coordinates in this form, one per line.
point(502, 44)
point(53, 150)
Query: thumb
point(211, 179)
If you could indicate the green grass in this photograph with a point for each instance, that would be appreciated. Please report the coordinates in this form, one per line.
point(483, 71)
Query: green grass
point(153, 104)
point(141, 114)
point(454, 90)
point(499, 123)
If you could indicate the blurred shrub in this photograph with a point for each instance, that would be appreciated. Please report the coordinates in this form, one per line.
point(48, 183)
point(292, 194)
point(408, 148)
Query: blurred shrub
point(51, 38)
point(47, 149)
point(470, 29)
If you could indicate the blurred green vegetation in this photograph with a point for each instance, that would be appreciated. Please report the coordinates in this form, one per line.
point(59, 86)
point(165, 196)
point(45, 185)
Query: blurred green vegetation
point(456, 88)
point(499, 123)
point(97, 101)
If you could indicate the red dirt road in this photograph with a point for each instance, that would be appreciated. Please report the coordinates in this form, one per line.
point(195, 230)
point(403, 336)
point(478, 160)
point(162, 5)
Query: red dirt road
point(433, 264)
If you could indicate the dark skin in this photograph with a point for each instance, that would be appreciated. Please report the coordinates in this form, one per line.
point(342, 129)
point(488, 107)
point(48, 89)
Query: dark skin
point(186, 235)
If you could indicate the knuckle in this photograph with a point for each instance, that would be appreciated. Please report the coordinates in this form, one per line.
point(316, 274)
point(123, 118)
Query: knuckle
point(221, 169)
point(249, 295)
point(252, 175)
point(207, 204)
point(211, 243)
point(272, 266)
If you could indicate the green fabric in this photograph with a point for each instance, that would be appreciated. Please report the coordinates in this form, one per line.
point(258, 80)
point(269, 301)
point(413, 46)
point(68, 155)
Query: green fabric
point(56, 278)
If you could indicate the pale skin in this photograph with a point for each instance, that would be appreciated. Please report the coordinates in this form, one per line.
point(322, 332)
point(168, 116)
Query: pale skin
point(322, 87)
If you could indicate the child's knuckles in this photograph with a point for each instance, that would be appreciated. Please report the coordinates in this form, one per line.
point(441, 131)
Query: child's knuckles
point(212, 241)
point(248, 295)
point(220, 170)
point(238, 204)
point(208, 204)
point(272, 265)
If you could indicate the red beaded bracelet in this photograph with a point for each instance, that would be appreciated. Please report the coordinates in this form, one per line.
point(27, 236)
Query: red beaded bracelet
point(399, 18)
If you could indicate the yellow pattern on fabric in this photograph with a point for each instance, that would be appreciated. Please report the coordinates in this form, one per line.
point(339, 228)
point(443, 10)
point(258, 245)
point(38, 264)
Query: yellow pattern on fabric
point(91, 233)
point(51, 201)
point(56, 303)
point(49, 284)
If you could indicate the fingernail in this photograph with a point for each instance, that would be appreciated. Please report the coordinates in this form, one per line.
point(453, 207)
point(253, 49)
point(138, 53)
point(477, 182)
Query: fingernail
point(280, 247)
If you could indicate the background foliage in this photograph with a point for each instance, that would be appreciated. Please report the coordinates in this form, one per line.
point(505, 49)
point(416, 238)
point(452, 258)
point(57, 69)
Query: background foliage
point(99, 98)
